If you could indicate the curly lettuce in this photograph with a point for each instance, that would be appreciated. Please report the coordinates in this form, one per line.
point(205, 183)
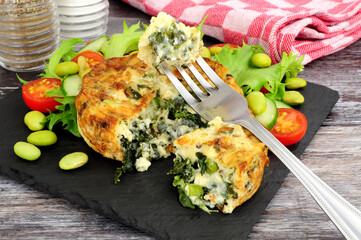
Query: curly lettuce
point(122, 43)
point(250, 78)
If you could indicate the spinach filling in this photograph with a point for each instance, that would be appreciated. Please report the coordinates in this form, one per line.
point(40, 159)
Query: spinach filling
point(170, 118)
point(190, 194)
point(170, 42)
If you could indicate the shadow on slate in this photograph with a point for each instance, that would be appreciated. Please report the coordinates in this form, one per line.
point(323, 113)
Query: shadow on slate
point(146, 201)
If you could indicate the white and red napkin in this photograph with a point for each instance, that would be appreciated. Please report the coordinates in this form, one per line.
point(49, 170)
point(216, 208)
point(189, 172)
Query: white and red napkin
point(313, 28)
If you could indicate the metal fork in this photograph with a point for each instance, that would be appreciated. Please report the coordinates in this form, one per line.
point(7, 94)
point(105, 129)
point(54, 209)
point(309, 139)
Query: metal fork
point(225, 102)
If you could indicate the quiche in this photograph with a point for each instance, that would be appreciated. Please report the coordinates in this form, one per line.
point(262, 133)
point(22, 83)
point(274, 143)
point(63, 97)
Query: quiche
point(128, 112)
point(168, 41)
point(220, 166)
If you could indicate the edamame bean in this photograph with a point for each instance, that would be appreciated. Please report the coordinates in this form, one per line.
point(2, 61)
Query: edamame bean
point(212, 166)
point(295, 82)
point(205, 53)
point(42, 138)
point(35, 120)
point(66, 68)
point(257, 102)
point(27, 151)
point(194, 190)
point(293, 98)
point(261, 60)
point(73, 160)
point(215, 50)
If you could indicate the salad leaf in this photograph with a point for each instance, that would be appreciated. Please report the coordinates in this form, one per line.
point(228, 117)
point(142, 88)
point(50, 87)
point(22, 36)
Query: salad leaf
point(121, 43)
point(66, 115)
point(66, 47)
point(250, 78)
point(69, 56)
point(199, 27)
point(21, 80)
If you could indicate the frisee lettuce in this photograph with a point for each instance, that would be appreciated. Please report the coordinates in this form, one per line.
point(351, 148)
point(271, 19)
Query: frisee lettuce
point(66, 115)
point(249, 78)
point(122, 43)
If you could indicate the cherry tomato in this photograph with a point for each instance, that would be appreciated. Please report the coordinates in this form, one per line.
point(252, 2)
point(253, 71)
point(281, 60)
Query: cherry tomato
point(290, 127)
point(232, 46)
point(264, 90)
point(92, 58)
point(34, 94)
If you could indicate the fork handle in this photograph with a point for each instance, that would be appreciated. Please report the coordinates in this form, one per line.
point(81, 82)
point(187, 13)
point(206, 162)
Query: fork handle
point(345, 216)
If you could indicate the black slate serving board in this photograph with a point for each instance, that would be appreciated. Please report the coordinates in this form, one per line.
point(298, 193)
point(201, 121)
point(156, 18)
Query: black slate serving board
point(146, 201)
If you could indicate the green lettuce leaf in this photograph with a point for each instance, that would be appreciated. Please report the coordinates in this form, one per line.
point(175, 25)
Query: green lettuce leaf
point(66, 47)
point(21, 80)
point(66, 115)
point(199, 27)
point(250, 78)
point(121, 43)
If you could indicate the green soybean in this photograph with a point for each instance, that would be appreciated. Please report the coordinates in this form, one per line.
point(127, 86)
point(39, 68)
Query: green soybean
point(215, 50)
point(257, 102)
point(293, 98)
point(194, 190)
point(295, 83)
point(261, 60)
point(27, 151)
point(66, 68)
point(73, 160)
point(42, 138)
point(35, 120)
point(212, 166)
point(205, 53)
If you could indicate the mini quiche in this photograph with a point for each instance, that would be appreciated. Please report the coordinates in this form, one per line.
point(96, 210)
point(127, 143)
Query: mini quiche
point(129, 112)
point(218, 166)
point(168, 41)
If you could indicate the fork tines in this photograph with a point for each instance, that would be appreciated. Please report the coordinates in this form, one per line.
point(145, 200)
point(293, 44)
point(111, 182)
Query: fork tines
point(198, 92)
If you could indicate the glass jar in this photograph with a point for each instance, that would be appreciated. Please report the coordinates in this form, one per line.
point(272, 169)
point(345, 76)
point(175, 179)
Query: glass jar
point(85, 19)
point(29, 32)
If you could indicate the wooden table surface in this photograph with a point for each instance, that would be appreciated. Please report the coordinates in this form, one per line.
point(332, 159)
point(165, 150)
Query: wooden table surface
point(334, 154)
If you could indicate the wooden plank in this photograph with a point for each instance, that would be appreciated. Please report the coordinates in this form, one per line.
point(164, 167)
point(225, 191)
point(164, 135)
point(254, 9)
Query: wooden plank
point(334, 155)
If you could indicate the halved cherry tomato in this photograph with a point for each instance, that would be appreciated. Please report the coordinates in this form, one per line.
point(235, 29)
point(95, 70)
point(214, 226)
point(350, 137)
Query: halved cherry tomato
point(290, 127)
point(92, 58)
point(34, 94)
point(264, 90)
point(230, 45)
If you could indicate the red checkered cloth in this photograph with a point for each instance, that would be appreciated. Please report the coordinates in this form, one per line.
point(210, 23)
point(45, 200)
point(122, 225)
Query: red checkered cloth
point(313, 28)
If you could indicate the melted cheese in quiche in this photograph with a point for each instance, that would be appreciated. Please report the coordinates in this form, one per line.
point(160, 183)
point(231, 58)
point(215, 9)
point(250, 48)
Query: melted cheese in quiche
point(239, 157)
point(168, 41)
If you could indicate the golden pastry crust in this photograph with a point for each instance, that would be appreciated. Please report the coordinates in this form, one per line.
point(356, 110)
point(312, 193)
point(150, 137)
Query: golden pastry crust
point(104, 101)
